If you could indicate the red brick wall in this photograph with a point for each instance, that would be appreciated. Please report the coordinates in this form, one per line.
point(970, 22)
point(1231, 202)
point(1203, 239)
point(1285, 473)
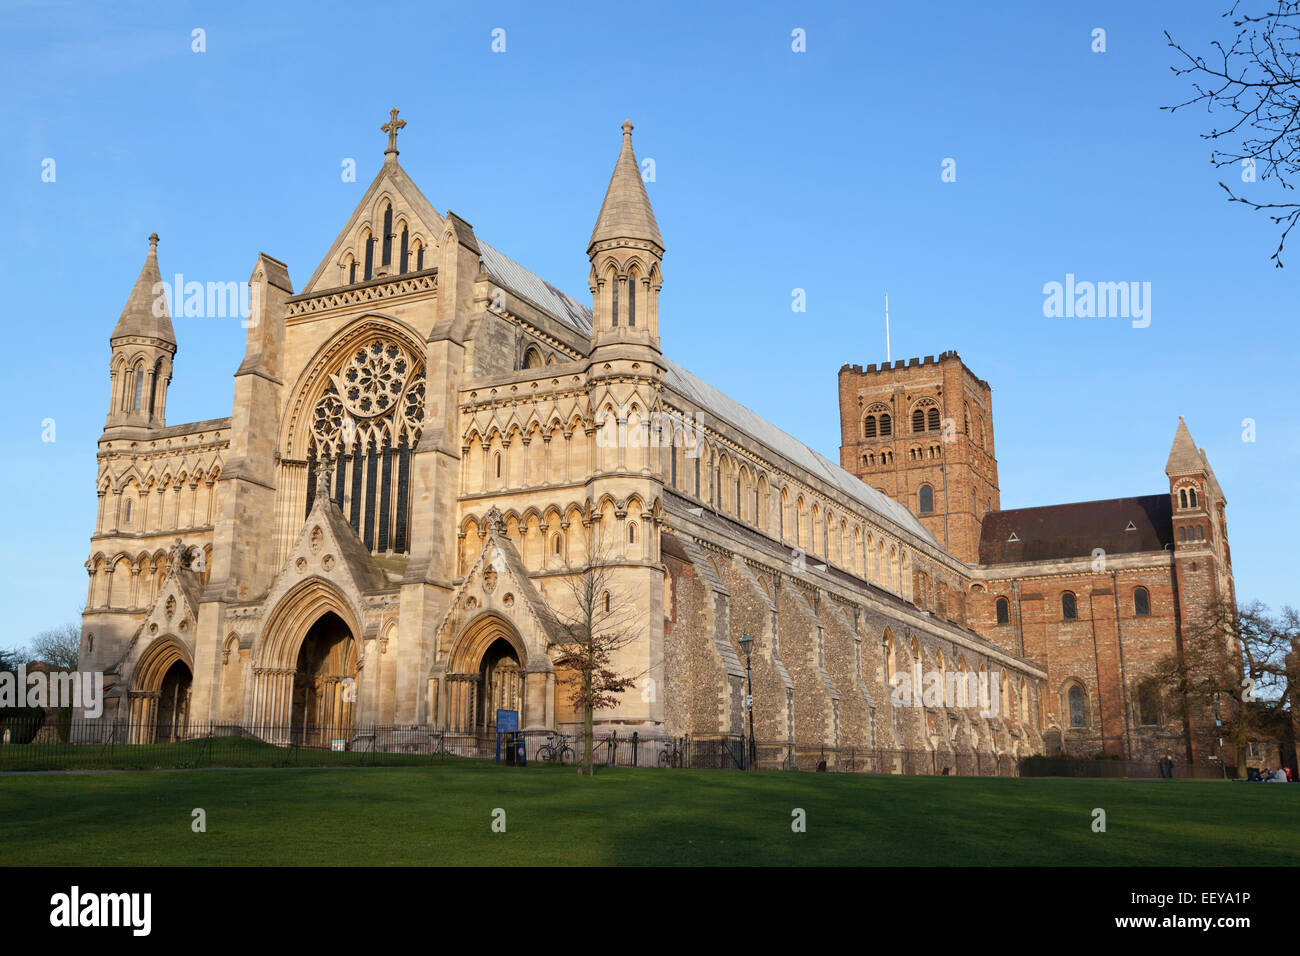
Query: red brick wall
point(971, 459)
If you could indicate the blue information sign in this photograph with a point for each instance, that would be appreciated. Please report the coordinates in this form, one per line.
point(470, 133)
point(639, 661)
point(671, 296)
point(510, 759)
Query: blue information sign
point(507, 721)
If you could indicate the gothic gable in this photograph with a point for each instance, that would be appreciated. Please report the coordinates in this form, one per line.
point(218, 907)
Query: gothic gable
point(392, 187)
point(498, 582)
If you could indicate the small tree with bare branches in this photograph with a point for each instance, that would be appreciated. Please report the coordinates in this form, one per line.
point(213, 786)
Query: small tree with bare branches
point(1256, 82)
point(596, 623)
point(59, 647)
point(1234, 663)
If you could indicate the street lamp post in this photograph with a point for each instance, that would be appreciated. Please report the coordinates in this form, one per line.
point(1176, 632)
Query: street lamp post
point(747, 645)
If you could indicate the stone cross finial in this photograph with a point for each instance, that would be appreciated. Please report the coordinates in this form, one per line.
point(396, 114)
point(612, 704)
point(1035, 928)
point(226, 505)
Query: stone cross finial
point(391, 128)
point(153, 243)
point(493, 520)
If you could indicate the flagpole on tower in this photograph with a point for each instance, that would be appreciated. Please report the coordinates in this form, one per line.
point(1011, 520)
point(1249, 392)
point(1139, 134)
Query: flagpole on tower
point(888, 356)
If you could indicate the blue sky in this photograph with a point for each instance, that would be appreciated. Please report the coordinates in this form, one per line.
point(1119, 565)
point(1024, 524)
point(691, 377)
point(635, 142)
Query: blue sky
point(775, 170)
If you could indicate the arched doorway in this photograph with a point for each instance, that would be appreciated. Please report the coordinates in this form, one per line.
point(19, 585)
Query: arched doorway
point(501, 680)
point(159, 694)
point(486, 672)
point(305, 686)
point(324, 683)
point(174, 703)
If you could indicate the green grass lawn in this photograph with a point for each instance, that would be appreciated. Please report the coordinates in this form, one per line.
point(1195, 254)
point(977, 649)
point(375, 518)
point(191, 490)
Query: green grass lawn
point(189, 754)
point(442, 816)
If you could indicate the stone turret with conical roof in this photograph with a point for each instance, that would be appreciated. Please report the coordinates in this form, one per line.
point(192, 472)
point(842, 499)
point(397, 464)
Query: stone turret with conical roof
point(144, 345)
point(626, 252)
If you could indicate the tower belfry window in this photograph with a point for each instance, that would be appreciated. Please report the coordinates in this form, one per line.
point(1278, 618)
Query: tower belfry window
point(614, 311)
point(631, 300)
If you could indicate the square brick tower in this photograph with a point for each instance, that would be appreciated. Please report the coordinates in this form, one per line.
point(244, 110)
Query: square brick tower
point(921, 431)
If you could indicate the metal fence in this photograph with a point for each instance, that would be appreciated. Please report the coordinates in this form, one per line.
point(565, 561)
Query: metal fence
point(1106, 768)
point(51, 744)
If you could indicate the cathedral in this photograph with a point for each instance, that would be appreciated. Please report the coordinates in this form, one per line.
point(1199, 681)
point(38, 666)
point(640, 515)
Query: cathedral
point(428, 444)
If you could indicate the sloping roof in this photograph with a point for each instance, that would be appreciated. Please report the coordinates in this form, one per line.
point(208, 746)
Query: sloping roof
point(140, 315)
point(537, 290)
point(1184, 459)
point(730, 410)
point(1075, 530)
point(626, 212)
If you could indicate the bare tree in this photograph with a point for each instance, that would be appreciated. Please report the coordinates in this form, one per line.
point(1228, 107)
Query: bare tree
point(1255, 82)
point(1235, 663)
point(59, 647)
point(596, 623)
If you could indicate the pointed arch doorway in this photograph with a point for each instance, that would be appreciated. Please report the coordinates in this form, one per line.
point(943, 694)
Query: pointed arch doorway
point(486, 674)
point(159, 698)
point(324, 683)
point(305, 686)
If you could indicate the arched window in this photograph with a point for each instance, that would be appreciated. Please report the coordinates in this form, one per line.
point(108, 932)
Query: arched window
point(405, 251)
point(1182, 498)
point(388, 235)
point(869, 427)
point(532, 358)
point(370, 255)
point(1077, 705)
point(932, 419)
point(886, 426)
point(369, 432)
point(155, 385)
point(1004, 611)
point(1191, 497)
point(126, 518)
point(1182, 534)
point(631, 533)
point(926, 499)
point(498, 464)
point(1069, 607)
point(631, 298)
point(555, 544)
point(1141, 602)
point(918, 420)
point(1200, 532)
point(614, 311)
point(606, 602)
point(139, 384)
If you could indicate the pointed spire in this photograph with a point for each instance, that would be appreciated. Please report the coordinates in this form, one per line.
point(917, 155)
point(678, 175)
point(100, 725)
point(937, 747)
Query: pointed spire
point(1184, 459)
point(146, 310)
point(626, 212)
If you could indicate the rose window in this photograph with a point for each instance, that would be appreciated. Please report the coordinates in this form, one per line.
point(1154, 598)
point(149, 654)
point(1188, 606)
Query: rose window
point(373, 379)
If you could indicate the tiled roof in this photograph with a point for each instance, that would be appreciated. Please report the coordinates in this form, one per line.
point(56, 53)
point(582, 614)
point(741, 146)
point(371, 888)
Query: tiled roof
point(535, 289)
point(1054, 532)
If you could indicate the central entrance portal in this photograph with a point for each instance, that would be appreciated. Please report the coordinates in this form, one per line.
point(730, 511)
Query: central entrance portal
point(324, 684)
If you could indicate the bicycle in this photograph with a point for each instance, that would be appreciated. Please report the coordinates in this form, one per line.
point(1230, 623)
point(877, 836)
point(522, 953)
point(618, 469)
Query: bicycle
point(556, 749)
point(671, 758)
